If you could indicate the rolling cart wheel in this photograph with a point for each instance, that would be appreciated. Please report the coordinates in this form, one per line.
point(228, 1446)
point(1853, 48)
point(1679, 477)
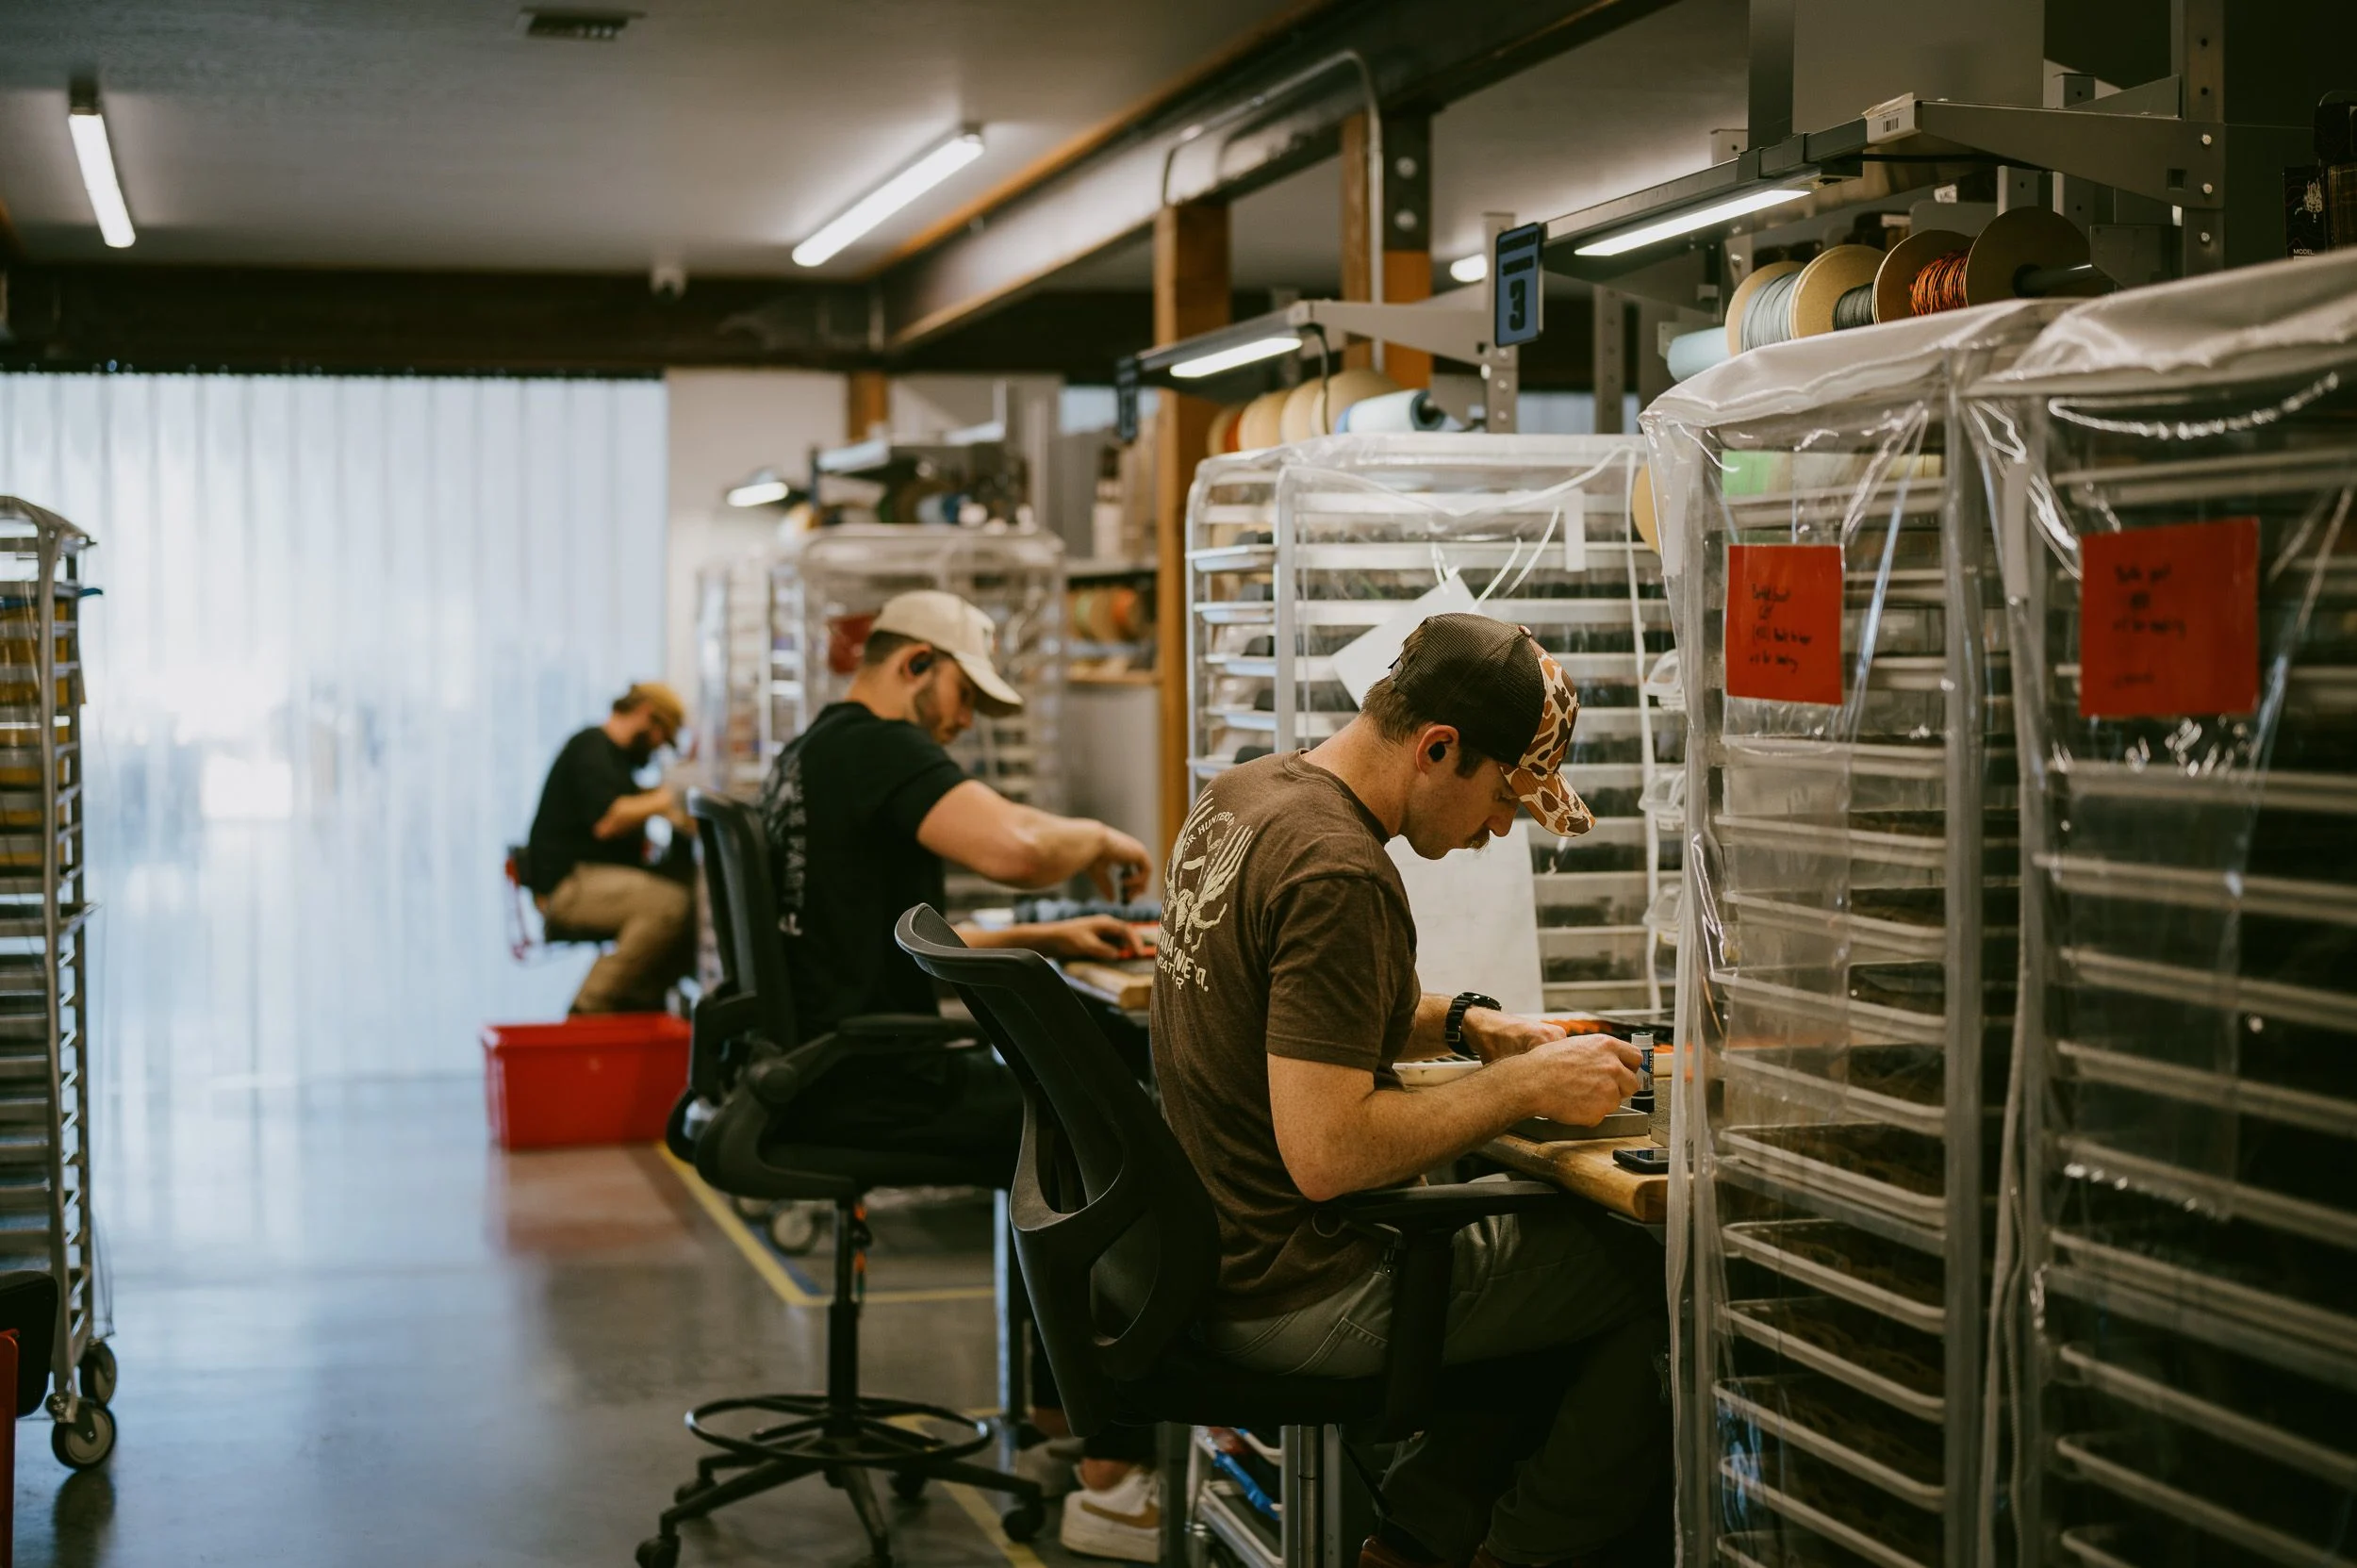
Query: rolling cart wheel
point(908, 1485)
point(84, 1442)
point(794, 1228)
point(98, 1373)
point(1023, 1520)
point(659, 1551)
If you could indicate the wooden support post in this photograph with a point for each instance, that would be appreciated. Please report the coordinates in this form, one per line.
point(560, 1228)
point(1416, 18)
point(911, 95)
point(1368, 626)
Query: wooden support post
point(866, 404)
point(1405, 210)
point(1191, 287)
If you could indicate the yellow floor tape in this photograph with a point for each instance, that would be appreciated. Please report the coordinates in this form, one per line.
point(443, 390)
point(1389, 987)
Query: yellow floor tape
point(789, 1290)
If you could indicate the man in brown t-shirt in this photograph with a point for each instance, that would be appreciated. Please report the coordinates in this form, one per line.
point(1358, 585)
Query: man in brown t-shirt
point(1286, 990)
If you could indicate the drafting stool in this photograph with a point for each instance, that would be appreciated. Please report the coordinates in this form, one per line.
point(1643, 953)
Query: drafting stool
point(1120, 1249)
point(553, 933)
point(746, 1069)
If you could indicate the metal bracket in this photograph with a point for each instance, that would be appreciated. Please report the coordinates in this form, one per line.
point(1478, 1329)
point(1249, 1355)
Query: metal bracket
point(2169, 160)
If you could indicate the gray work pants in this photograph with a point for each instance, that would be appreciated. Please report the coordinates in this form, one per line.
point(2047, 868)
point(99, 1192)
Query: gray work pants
point(649, 920)
point(1574, 1277)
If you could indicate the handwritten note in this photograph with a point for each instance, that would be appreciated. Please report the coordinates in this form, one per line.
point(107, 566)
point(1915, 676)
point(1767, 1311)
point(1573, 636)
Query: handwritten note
point(1783, 622)
point(2168, 620)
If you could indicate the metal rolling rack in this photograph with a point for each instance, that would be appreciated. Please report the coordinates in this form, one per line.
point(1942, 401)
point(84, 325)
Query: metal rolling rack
point(826, 590)
point(2186, 1301)
point(733, 680)
point(1293, 552)
point(1849, 994)
point(45, 1211)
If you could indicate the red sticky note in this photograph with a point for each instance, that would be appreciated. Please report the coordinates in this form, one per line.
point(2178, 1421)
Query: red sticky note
point(2168, 620)
point(1783, 622)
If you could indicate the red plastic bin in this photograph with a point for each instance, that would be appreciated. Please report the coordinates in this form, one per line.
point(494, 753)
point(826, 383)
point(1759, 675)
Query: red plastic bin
point(609, 1078)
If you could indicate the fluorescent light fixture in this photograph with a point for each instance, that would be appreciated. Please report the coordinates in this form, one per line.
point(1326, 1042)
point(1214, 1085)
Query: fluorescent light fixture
point(890, 197)
point(1228, 359)
point(1687, 222)
point(1469, 269)
point(97, 157)
point(763, 489)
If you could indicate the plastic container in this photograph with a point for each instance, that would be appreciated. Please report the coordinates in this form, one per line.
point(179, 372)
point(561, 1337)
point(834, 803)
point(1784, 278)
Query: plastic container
point(608, 1078)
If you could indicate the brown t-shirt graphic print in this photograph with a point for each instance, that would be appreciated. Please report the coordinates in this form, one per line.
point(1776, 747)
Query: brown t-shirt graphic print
point(1285, 933)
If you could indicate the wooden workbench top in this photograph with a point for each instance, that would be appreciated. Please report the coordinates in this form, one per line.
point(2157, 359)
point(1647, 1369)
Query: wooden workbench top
point(1584, 1166)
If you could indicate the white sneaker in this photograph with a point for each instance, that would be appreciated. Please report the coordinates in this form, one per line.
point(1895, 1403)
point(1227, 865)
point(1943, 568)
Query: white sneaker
point(1123, 1521)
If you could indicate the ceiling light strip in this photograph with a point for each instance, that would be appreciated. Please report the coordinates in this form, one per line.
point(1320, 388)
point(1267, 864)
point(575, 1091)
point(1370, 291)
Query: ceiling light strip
point(890, 197)
point(95, 153)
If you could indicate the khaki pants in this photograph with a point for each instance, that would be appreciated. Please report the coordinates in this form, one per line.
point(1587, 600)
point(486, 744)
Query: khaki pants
point(1574, 1478)
point(649, 917)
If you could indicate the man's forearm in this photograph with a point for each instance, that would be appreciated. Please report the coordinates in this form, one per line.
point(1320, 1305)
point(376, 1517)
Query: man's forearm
point(1390, 1135)
point(630, 812)
point(1061, 847)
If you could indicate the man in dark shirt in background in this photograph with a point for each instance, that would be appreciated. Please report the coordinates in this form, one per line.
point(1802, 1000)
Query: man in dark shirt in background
point(586, 859)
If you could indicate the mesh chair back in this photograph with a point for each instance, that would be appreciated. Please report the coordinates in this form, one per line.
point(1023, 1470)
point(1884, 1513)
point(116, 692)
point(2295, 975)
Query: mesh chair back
point(1118, 1239)
point(752, 996)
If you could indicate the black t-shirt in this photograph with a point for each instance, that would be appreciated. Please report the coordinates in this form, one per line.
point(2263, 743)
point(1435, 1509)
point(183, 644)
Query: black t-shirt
point(588, 776)
point(841, 807)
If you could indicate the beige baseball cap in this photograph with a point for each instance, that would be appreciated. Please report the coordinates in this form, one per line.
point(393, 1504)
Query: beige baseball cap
point(959, 630)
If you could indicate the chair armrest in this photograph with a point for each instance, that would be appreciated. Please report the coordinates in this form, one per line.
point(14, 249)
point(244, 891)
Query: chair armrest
point(775, 1080)
point(1420, 1223)
point(1412, 1210)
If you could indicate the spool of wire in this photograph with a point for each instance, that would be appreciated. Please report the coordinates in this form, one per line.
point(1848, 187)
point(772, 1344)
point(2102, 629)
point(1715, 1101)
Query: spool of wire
point(1767, 314)
point(1855, 307)
point(1941, 284)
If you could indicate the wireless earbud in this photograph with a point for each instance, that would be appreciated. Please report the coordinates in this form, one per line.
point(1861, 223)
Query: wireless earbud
point(1439, 752)
point(921, 661)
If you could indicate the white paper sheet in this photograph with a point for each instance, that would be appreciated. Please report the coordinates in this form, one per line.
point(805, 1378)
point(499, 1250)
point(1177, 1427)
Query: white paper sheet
point(1367, 658)
point(1477, 920)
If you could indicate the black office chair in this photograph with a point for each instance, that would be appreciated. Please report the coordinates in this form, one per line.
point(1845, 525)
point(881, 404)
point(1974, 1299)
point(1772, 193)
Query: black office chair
point(1120, 1247)
point(746, 1067)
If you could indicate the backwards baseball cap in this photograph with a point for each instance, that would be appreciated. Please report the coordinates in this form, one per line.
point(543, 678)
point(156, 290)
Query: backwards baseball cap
point(1507, 698)
point(959, 630)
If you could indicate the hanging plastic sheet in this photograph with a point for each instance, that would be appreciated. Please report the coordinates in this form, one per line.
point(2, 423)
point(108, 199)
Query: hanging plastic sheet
point(2173, 470)
point(1848, 984)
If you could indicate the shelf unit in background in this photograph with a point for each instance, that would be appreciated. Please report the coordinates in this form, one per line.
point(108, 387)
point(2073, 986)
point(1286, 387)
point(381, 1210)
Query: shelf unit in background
point(825, 592)
point(1849, 1000)
point(734, 676)
point(1296, 551)
point(2186, 1304)
point(46, 1048)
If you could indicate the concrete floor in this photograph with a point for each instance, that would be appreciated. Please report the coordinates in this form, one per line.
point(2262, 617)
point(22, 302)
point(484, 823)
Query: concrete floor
point(351, 1334)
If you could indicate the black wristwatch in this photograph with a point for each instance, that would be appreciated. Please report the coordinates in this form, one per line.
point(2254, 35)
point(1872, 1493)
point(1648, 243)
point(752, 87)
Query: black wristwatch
point(1455, 1031)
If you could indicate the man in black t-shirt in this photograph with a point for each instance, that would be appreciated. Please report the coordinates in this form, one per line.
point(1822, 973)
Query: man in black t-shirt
point(862, 809)
point(864, 806)
point(586, 859)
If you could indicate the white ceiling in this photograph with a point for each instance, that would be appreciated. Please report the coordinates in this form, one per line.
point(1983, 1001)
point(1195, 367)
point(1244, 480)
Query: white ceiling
point(1631, 108)
point(433, 134)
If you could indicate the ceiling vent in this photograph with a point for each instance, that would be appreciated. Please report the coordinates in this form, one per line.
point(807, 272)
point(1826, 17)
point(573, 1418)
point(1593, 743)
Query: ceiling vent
point(581, 26)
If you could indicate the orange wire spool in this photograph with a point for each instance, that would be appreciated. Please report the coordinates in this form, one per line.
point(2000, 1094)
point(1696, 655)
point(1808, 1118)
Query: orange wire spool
point(1941, 284)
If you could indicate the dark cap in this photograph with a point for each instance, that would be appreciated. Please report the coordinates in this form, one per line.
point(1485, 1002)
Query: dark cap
point(1500, 692)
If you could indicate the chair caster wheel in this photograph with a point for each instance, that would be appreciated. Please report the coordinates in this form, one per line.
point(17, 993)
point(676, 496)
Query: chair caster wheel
point(695, 1488)
point(1023, 1520)
point(794, 1228)
point(907, 1485)
point(660, 1551)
